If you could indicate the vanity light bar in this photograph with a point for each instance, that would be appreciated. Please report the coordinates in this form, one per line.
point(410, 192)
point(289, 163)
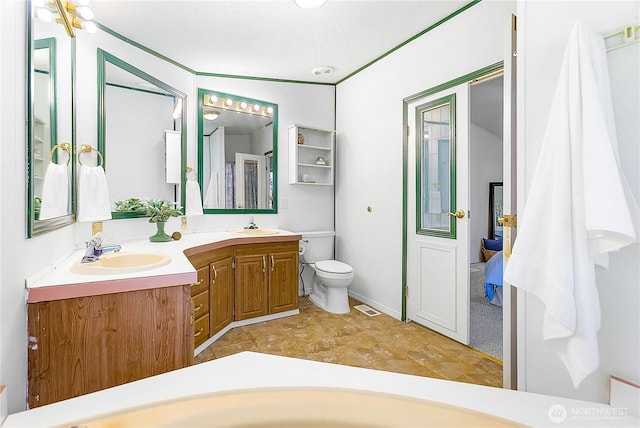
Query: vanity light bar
point(211, 100)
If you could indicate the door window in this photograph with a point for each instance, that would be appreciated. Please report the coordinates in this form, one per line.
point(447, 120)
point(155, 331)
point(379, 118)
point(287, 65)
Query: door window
point(435, 154)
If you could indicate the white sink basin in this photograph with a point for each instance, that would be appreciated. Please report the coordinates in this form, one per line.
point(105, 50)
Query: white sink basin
point(117, 263)
point(255, 232)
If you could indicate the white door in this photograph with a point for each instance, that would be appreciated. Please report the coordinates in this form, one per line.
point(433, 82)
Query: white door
point(438, 203)
point(250, 188)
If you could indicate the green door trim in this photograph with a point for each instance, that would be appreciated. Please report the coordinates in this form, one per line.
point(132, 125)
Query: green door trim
point(405, 157)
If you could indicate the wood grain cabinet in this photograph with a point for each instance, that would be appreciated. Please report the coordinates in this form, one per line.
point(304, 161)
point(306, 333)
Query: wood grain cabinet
point(222, 293)
point(215, 284)
point(266, 279)
point(85, 344)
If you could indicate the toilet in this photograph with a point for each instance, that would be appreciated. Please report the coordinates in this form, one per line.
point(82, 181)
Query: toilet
point(331, 278)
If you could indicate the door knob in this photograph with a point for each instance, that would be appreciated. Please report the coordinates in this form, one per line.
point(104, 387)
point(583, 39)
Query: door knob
point(458, 214)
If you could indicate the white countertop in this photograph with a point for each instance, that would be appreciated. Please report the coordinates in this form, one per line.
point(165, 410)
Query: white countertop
point(253, 370)
point(47, 285)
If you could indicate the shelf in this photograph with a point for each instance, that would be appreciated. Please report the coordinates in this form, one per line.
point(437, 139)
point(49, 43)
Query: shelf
point(307, 146)
point(318, 143)
point(313, 165)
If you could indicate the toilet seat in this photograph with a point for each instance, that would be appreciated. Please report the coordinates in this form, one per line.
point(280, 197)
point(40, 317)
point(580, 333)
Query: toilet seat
point(333, 266)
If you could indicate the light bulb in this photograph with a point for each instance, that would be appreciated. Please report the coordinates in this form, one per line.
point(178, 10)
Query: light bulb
point(213, 99)
point(90, 26)
point(269, 110)
point(85, 13)
point(243, 105)
point(229, 102)
point(256, 107)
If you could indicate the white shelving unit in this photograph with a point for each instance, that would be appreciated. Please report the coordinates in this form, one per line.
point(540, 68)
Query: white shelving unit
point(307, 148)
point(40, 155)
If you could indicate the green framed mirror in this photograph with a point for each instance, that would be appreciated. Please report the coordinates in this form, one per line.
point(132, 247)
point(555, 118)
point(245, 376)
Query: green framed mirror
point(141, 135)
point(237, 154)
point(50, 117)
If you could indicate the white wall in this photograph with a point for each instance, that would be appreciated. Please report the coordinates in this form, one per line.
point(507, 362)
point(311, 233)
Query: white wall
point(485, 154)
point(543, 31)
point(369, 142)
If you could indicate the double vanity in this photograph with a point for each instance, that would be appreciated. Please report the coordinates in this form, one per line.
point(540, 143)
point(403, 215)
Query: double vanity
point(140, 312)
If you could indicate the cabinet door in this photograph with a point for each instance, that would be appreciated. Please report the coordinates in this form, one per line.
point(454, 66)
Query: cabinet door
point(85, 344)
point(251, 286)
point(283, 282)
point(221, 295)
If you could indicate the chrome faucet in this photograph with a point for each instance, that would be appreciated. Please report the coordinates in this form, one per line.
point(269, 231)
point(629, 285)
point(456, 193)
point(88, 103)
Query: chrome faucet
point(252, 225)
point(95, 249)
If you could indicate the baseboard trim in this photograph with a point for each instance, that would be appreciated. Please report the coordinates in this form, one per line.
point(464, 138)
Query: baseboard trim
point(384, 309)
point(241, 323)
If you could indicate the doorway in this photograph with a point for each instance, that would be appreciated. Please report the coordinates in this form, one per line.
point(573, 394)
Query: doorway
point(437, 254)
point(486, 205)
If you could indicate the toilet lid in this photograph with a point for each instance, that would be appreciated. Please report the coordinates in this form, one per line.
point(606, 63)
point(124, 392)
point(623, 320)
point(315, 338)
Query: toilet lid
point(333, 266)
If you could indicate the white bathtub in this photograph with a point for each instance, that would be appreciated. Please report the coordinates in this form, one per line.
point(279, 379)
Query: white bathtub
point(251, 388)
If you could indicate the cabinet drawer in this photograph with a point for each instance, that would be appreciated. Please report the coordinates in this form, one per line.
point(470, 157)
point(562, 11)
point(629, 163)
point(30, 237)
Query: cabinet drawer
point(201, 304)
point(201, 330)
point(203, 281)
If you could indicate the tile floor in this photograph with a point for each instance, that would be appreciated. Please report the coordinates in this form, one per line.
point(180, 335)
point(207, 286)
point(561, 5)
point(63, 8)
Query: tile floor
point(355, 339)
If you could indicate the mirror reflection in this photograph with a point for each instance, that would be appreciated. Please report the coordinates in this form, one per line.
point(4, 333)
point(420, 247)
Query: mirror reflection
point(495, 208)
point(140, 136)
point(237, 153)
point(51, 184)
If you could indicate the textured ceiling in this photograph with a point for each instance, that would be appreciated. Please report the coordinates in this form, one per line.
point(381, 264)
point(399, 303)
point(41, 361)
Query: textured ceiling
point(271, 39)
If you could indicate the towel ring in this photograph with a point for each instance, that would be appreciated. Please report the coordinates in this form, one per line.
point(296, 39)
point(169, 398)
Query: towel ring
point(86, 148)
point(62, 146)
point(188, 171)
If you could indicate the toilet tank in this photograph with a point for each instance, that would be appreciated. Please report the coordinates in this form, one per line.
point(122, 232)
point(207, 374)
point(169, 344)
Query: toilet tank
point(317, 246)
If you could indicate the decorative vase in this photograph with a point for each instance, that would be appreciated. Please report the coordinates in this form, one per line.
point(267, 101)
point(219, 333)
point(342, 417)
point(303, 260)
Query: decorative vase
point(160, 236)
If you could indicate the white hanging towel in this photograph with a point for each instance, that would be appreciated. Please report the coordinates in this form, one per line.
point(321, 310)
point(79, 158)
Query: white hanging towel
point(579, 207)
point(211, 199)
point(193, 200)
point(55, 191)
point(93, 194)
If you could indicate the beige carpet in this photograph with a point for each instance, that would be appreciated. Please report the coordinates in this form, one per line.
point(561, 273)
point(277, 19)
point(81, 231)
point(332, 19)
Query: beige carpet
point(485, 333)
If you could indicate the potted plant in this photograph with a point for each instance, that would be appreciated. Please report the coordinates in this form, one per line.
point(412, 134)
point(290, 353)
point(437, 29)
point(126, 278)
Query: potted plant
point(159, 212)
point(130, 205)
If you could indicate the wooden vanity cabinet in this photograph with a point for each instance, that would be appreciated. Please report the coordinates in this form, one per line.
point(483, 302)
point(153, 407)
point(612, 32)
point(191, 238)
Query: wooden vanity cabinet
point(85, 344)
point(266, 279)
point(215, 271)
